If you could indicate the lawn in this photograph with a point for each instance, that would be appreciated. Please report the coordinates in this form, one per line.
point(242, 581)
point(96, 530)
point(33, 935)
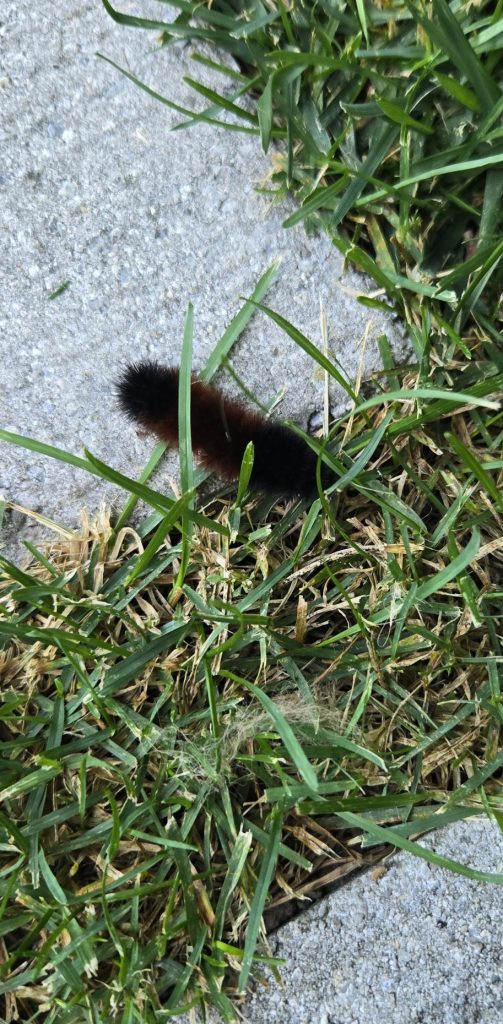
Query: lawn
point(223, 705)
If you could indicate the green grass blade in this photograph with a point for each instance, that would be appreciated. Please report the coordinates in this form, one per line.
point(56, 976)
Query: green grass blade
point(239, 322)
point(390, 835)
point(304, 343)
point(237, 862)
point(475, 466)
point(287, 735)
point(185, 437)
point(452, 570)
point(146, 473)
point(267, 869)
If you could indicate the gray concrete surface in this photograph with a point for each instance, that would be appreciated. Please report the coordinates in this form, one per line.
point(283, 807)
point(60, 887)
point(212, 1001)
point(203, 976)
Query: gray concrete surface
point(95, 190)
point(418, 945)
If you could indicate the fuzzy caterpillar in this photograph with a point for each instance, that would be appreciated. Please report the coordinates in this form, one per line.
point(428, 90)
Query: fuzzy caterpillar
point(284, 465)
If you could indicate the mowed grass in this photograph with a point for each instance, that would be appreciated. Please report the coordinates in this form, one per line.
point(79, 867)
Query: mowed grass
point(230, 705)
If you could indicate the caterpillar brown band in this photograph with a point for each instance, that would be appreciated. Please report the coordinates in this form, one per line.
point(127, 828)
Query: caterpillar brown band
point(221, 428)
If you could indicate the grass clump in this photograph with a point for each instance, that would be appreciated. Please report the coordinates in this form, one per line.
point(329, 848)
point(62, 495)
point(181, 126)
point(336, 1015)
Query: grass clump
point(386, 120)
point(193, 738)
point(227, 707)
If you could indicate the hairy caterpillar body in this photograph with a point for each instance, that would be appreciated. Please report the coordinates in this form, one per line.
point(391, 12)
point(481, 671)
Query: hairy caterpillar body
point(284, 465)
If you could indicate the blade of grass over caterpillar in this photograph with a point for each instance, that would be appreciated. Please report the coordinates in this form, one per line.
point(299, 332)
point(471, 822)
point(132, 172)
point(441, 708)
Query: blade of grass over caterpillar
point(185, 437)
point(245, 473)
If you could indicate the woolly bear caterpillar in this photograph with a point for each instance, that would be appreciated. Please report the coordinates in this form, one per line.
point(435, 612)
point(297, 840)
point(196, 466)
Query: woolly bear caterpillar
point(284, 465)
